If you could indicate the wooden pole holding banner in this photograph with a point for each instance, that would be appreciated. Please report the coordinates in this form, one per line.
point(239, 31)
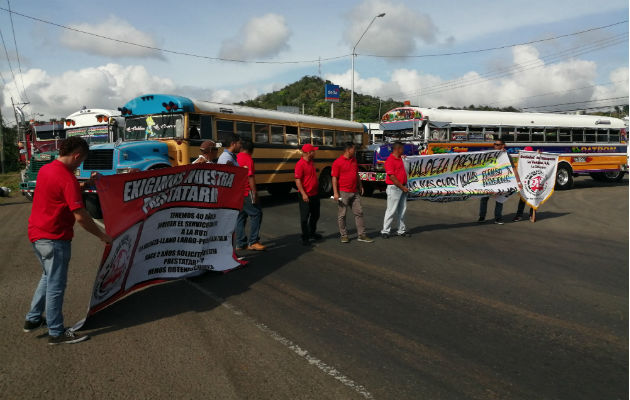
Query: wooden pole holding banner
point(332, 110)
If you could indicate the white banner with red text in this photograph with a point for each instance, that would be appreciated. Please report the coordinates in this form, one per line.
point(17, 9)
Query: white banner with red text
point(460, 176)
point(538, 176)
point(167, 224)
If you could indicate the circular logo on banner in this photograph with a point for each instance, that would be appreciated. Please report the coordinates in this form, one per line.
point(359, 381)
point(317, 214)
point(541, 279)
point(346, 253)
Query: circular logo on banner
point(535, 183)
point(113, 273)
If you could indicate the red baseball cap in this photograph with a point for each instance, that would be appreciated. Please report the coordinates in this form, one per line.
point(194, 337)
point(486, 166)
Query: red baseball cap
point(307, 148)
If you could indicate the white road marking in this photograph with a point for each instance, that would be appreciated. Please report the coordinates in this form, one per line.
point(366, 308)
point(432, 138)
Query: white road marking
point(327, 369)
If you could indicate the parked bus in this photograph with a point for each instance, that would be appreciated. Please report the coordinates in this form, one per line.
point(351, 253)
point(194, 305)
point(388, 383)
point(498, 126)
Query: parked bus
point(183, 124)
point(43, 137)
point(586, 144)
point(94, 125)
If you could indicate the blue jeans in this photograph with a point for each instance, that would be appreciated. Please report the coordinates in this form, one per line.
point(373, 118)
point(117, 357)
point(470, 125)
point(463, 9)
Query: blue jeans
point(254, 211)
point(483, 208)
point(54, 256)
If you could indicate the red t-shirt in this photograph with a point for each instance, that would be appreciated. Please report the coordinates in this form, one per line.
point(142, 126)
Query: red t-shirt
point(305, 171)
point(395, 166)
point(346, 170)
point(56, 196)
point(245, 160)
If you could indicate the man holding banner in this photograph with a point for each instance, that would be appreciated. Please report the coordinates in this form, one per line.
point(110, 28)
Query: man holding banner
point(57, 204)
point(499, 145)
point(396, 179)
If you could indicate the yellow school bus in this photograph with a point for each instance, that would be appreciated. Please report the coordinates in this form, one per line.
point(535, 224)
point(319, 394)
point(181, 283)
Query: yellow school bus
point(185, 123)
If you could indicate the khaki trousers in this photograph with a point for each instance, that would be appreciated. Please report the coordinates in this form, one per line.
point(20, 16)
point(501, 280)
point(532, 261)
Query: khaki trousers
point(352, 201)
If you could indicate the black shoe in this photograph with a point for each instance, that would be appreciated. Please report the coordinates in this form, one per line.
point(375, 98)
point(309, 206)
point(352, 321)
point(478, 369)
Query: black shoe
point(305, 242)
point(405, 234)
point(67, 337)
point(499, 221)
point(481, 220)
point(385, 235)
point(517, 218)
point(316, 236)
point(30, 326)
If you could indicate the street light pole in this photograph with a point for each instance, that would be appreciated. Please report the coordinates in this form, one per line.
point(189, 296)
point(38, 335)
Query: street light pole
point(354, 54)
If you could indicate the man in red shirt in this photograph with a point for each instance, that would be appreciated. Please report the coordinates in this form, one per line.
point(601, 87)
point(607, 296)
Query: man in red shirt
point(308, 186)
point(251, 205)
point(346, 188)
point(396, 179)
point(57, 204)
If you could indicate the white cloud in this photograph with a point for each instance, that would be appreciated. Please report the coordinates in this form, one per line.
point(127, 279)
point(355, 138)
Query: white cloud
point(113, 27)
point(397, 33)
point(107, 86)
point(533, 84)
point(260, 37)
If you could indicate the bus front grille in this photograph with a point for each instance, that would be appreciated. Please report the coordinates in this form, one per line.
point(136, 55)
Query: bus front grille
point(99, 160)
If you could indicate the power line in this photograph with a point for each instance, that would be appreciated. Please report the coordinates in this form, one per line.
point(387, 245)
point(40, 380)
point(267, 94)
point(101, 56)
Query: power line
point(461, 83)
point(560, 91)
point(576, 102)
point(9, 62)
point(181, 53)
point(498, 47)
point(17, 53)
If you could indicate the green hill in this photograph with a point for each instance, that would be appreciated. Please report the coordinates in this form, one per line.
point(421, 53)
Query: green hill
point(309, 91)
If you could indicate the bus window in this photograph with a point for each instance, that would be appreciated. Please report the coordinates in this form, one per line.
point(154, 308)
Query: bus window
point(614, 135)
point(522, 135)
point(277, 134)
point(262, 133)
point(509, 135)
point(475, 133)
point(538, 134)
point(244, 130)
point(358, 139)
point(564, 135)
point(602, 135)
point(551, 135)
point(577, 135)
point(206, 127)
point(490, 133)
point(343, 137)
point(317, 137)
point(291, 136)
point(305, 135)
point(194, 125)
point(225, 130)
point(458, 133)
point(329, 138)
point(589, 135)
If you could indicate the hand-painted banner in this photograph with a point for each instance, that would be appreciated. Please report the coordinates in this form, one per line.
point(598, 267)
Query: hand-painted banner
point(538, 176)
point(459, 176)
point(167, 224)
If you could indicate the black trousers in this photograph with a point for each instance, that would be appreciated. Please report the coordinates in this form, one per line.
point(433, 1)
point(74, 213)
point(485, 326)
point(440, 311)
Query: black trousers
point(309, 214)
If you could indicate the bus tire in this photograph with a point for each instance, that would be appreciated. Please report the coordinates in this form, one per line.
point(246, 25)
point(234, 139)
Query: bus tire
point(564, 177)
point(612, 176)
point(325, 183)
point(279, 189)
point(93, 206)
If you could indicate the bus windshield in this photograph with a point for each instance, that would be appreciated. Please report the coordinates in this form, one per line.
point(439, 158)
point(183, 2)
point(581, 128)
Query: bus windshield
point(154, 127)
point(91, 134)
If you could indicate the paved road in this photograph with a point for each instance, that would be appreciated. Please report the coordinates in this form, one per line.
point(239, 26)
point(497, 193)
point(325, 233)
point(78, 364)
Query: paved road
point(457, 311)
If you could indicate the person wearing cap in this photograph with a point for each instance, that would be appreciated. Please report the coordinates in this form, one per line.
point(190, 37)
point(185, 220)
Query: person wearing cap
point(346, 188)
point(521, 202)
point(208, 151)
point(396, 180)
point(308, 200)
point(251, 205)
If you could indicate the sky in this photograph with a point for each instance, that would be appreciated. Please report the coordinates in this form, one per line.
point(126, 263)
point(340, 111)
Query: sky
point(431, 53)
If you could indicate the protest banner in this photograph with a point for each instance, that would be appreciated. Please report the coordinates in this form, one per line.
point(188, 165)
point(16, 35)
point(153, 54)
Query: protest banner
point(459, 176)
point(538, 176)
point(167, 224)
